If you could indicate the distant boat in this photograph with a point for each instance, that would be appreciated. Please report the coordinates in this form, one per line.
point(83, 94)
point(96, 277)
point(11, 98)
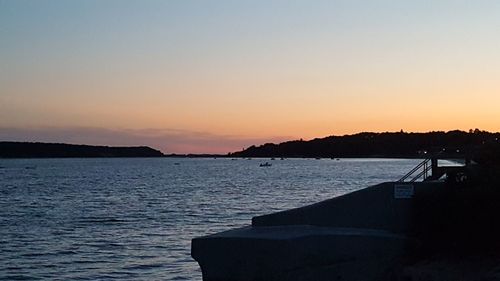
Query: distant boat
point(267, 164)
point(282, 158)
point(318, 158)
point(273, 158)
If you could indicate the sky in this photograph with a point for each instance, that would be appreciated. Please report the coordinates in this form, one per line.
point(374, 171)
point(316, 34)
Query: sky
point(217, 76)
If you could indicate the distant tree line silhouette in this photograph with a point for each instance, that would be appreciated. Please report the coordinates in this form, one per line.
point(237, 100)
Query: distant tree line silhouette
point(483, 145)
point(59, 150)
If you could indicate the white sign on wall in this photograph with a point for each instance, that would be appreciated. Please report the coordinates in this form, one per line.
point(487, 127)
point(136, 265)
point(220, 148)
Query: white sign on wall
point(403, 191)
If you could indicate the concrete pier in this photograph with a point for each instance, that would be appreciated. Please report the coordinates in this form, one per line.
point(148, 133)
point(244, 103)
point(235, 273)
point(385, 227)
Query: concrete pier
point(358, 236)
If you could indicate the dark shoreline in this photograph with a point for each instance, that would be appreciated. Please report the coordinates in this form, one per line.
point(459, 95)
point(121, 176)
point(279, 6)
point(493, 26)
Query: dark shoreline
point(382, 145)
point(61, 150)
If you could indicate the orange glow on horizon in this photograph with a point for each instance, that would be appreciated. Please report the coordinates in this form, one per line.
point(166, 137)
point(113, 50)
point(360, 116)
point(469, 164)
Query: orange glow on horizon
point(242, 73)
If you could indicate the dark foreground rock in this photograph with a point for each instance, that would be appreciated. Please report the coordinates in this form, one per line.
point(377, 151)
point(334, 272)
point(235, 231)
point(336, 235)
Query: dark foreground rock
point(444, 268)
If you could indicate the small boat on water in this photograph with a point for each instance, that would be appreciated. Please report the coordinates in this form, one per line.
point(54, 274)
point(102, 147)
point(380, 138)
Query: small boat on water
point(267, 164)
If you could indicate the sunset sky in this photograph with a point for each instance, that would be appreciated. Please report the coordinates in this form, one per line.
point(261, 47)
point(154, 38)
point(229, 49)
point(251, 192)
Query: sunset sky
point(217, 76)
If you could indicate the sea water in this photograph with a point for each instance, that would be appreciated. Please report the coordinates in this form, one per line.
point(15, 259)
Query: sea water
point(133, 219)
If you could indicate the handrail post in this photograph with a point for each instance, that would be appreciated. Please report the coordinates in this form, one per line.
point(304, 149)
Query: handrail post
point(425, 170)
point(434, 165)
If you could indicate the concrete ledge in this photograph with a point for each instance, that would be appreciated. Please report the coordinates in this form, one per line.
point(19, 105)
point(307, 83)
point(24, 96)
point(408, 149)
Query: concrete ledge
point(296, 253)
point(373, 208)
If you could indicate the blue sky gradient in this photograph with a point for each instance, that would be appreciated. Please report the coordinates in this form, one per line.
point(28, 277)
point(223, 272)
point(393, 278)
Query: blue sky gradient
point(247, 70)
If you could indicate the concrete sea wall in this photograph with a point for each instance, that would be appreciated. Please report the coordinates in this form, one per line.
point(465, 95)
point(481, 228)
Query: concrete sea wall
point(358, 236)
point(375, 207)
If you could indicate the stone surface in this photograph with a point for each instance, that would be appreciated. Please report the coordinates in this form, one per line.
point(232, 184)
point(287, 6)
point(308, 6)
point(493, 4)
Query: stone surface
point(296, 253)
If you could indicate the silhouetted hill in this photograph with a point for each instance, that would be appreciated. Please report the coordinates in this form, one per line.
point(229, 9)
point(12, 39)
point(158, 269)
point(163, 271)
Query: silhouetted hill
point(398, 144)
point(59, 150)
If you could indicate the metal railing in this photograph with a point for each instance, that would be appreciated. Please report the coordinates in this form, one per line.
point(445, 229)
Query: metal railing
point(420, 171)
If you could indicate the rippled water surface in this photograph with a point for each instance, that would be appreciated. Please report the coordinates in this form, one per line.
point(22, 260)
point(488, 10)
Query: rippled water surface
point(133, 219)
